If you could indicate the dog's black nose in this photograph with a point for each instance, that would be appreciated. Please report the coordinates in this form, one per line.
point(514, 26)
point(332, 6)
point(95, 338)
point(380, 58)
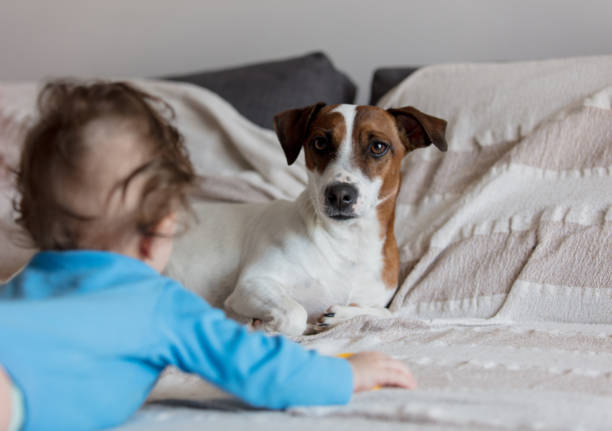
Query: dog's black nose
point(341, 196)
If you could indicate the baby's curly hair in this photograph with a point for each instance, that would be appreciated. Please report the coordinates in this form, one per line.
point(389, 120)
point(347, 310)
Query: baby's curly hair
point(102, 162)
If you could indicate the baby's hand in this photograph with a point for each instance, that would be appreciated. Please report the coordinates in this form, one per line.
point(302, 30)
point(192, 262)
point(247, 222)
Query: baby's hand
point(372, 369)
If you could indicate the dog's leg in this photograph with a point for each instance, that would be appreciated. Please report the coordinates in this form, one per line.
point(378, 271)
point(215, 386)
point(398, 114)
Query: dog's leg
point(339, 313)
point(266, 300)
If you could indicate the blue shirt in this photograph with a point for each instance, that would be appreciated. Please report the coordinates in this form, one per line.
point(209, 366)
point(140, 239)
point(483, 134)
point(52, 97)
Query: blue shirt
point(85, 335)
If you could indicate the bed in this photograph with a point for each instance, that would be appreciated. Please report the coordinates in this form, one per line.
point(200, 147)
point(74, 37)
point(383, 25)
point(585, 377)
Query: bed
point(504, 310)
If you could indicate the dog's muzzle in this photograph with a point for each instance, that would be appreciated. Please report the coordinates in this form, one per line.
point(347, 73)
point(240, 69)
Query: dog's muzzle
point(340, 201)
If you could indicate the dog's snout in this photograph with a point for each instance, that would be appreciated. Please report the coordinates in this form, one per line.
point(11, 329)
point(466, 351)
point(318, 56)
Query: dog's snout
point(341, 196)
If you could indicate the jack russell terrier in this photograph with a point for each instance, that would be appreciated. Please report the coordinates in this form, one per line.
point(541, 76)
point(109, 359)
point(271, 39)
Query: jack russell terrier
point(330, 254)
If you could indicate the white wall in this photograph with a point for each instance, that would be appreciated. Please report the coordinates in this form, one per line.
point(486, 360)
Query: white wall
point(148, 37)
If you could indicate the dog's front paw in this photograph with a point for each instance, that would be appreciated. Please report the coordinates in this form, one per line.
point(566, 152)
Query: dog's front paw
point(276, 313)
point(334, 315)
point(289, 322)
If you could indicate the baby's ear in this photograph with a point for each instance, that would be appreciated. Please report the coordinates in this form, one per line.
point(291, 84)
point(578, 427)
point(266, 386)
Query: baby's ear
point(164, 229)
point(292, 127)
point(418, 130)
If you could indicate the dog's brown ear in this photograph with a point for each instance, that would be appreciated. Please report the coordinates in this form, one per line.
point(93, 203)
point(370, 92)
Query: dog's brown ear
point(418, 129)
point(292, 126)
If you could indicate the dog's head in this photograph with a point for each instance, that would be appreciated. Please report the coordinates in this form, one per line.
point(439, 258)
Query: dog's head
point(353, 153)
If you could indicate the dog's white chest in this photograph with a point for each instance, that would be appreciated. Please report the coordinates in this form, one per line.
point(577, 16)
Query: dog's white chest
point(339, 280)
point(317, 266)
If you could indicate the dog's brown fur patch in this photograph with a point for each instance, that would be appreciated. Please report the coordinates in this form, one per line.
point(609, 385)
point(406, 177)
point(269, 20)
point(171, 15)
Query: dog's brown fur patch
point(330, 126)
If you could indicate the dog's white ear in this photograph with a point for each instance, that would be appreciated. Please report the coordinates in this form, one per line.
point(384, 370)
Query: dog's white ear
point(418, 129)
point(292, 126)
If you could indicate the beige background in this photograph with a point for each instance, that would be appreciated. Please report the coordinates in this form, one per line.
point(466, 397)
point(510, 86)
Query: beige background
point(149, 37)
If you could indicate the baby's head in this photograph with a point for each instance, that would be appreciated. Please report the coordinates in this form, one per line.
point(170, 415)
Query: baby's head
point(103, 169)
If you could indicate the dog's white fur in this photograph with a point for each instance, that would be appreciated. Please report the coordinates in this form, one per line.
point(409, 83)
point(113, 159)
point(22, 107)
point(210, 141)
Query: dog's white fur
point(285, 263)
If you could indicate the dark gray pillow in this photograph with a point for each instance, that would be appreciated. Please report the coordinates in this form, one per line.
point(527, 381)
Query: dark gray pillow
point(385, 79)
point(262, 90)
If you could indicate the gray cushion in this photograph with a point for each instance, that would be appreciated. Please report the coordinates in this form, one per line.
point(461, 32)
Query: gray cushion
point(385, 79)
point(259, 91)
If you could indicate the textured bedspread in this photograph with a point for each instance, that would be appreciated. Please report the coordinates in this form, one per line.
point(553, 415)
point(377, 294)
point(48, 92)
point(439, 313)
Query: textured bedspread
point(489, 374)
point(472, 374)
point(516, 219)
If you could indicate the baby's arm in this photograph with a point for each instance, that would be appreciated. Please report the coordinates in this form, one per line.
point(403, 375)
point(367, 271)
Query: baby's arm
point(5, 400)
point(265, 371)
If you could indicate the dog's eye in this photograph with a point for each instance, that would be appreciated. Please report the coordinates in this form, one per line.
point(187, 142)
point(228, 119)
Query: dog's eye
point(378, 148)
point(320, 144)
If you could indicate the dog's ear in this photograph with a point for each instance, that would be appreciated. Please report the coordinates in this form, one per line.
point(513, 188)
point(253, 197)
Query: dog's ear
point(292, 126)
point(418, 129)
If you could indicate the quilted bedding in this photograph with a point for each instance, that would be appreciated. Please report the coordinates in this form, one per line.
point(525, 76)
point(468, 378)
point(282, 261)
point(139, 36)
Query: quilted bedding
point(504, 311)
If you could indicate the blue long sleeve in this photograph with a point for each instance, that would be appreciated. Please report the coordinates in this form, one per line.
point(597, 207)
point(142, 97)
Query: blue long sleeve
point(265, 371)
point(85, 335)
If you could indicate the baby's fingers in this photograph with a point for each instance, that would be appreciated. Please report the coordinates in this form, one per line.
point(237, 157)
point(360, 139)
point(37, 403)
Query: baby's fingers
point(398, 375)
point(374, 369)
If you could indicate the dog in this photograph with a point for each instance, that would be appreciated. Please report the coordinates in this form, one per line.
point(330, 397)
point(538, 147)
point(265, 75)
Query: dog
point(309, 264)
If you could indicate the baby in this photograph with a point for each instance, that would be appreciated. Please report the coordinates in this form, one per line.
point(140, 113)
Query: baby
point(89, 324)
